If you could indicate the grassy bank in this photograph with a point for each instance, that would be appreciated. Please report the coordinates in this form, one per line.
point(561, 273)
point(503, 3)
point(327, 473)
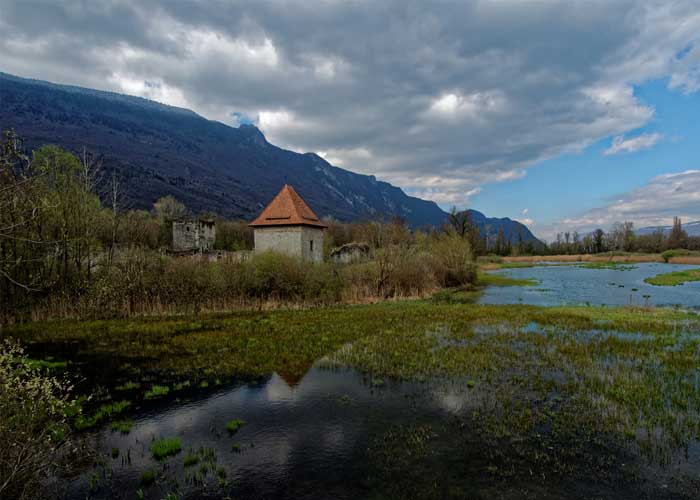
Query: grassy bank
point(675, 278)
point(490, 279)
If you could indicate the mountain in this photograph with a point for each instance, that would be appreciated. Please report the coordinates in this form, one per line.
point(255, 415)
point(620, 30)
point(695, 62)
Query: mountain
point(159, 150)
point(512, 229)
point(691, 229)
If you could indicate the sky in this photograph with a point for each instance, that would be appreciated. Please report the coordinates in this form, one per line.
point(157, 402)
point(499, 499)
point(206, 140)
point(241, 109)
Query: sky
point(565, 115)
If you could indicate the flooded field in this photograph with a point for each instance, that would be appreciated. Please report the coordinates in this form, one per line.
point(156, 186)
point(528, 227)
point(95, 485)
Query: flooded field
point(615, 285)
point(407, 400)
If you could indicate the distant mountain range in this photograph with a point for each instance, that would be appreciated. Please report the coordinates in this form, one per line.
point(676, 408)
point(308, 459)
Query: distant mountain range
point(691, 229)
point(163, 150)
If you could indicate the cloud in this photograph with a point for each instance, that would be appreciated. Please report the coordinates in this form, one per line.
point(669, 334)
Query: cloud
point(529, 222)
point(440, 99)
point(632, 144)
point(653, 204)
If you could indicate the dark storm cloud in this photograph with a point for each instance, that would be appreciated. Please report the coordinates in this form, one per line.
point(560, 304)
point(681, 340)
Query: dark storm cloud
point(438, 97)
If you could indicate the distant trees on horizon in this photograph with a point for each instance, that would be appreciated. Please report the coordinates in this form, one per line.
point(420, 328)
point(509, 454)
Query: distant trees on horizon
point(623, 238)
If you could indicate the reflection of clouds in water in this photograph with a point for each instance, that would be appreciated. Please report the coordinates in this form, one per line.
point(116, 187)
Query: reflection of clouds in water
point(455, 399)
point(314, 427)
point(452, 402)
point(277, 389)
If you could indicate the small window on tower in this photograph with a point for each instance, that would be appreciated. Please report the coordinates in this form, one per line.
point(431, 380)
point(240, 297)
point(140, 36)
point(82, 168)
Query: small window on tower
point(311, 245)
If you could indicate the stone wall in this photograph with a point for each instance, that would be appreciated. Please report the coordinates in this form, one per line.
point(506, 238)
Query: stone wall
point(350, 253)
point(297, 241)
point(197, 236)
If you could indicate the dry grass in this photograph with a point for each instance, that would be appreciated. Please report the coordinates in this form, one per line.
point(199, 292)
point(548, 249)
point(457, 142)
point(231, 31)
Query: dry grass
point(641, 257)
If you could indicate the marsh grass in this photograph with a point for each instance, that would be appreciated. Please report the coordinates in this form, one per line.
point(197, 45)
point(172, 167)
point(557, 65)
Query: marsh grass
point(616, 266)
point(675, 278)
point(490, 279)
point(103, 413)
point(128, 386)
point(624, 374)
point(232, 426)
point(163, 448)
point(207, 460)
point(122, 426)
point(157, 391)
point(48, 364)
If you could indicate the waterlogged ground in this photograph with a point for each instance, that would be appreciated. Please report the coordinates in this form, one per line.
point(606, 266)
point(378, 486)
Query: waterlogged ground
point(614, 285)
point(403, 400)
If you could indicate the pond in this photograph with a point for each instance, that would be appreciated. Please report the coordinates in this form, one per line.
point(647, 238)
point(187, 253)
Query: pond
point(579, 285)
point(333, 434)
point(336, 434)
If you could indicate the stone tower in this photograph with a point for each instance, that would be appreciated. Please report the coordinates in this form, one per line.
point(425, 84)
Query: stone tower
point(289, 226)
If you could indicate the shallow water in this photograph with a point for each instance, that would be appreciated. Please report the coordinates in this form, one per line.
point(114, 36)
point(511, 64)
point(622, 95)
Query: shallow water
point(308, 440)
point(335, 433)
point(574, 285)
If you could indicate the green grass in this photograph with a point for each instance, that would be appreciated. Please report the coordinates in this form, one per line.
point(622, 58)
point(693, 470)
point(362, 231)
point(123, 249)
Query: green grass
point(232, 426)
point(104, 412)
point(157, 391)
point(491, 279)
point(48, 364)
point(163, 448)
point(617, 266)
point(128, 386)
point(122, 426)
point(190, 459)
point(675, 278)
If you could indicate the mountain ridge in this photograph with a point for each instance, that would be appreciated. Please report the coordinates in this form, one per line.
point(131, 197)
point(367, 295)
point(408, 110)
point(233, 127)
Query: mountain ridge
point(158, 150)
point(691, 228)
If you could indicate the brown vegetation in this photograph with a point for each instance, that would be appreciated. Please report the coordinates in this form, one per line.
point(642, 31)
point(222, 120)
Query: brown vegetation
point(626, 257)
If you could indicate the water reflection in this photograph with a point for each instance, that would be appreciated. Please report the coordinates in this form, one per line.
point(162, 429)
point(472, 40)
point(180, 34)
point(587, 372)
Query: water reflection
point(304, 440)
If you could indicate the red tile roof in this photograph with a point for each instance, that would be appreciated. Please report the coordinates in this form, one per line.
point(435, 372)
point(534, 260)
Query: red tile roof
point(287, 209)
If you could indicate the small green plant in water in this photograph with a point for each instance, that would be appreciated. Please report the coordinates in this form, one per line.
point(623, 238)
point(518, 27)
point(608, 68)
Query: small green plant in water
point(157, 391)
point(102, 413)
point(147, 478)
point(163, 448)
point(232, 426)
point(128, 386)
point(123, 426)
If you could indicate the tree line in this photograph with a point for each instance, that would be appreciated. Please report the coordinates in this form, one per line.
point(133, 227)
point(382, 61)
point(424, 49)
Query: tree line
point(623, 238)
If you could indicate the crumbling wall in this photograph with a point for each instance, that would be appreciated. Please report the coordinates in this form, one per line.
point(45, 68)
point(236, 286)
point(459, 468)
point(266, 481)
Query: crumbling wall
point(193, 236)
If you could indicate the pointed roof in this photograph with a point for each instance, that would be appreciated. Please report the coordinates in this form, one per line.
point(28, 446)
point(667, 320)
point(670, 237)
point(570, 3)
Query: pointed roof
point(287, 209)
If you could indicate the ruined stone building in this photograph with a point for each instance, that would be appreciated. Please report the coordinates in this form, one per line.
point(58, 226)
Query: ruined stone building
point(287, 225)
point(193, 235)
point(350, 253)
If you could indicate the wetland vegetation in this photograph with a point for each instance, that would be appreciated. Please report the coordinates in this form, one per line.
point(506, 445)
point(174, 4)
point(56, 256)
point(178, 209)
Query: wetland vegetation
point(560, 392)
point(674, 278)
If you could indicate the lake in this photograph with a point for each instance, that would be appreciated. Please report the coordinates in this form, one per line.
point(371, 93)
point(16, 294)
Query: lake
point(577, 285)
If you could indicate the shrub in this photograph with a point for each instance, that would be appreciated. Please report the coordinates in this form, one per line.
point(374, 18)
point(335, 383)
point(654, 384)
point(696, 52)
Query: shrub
point(678, 252)
point(410, 274)
point(453, 262)
point(33, 408)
